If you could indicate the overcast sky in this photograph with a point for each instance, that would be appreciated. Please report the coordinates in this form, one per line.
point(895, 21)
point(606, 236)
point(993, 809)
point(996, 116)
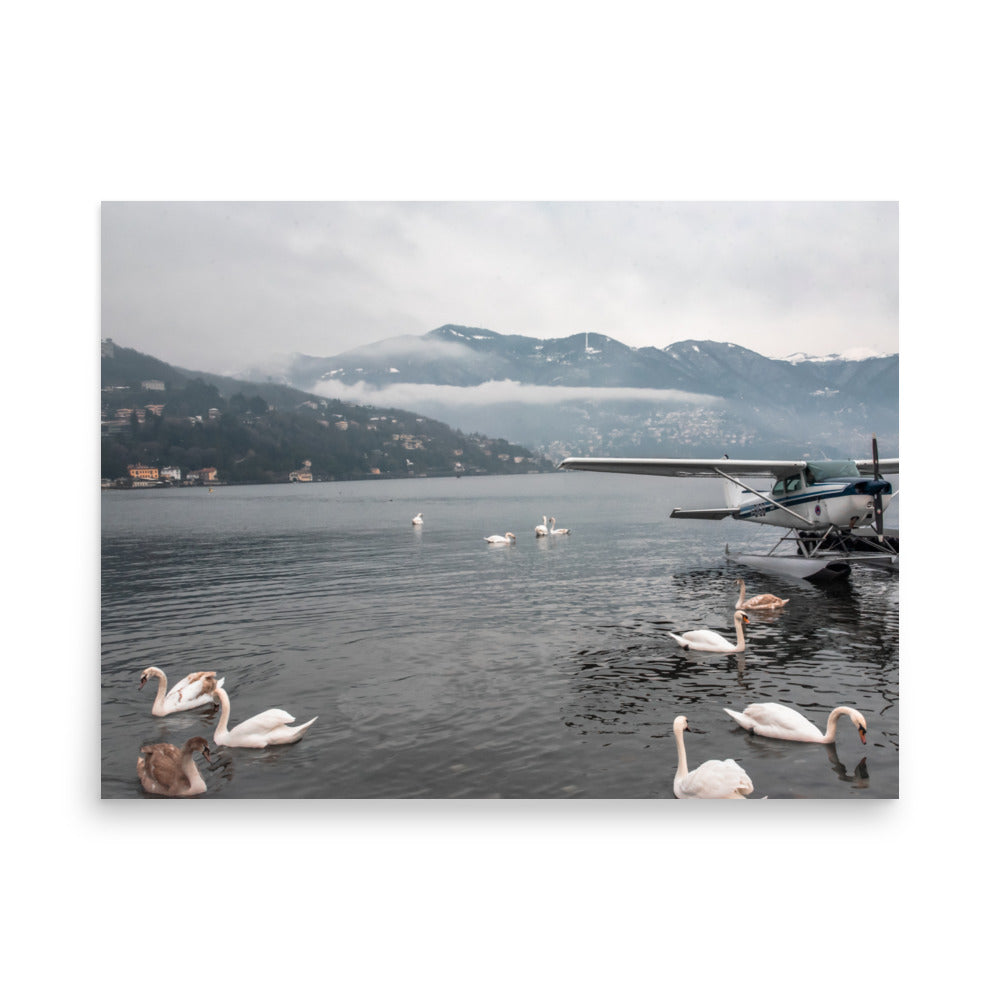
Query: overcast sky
point(218, 285)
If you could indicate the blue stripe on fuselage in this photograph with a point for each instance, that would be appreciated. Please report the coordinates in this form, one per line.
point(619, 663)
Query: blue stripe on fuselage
point(844, 488)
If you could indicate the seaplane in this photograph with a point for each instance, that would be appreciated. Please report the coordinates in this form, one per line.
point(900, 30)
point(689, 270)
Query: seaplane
point(832, 511)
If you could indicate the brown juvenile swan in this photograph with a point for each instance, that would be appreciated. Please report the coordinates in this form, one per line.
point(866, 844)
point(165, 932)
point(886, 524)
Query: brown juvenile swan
point(762, 602)
point(164, 769)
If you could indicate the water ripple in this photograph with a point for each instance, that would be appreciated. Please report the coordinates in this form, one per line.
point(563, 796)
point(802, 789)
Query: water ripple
point(441, 668)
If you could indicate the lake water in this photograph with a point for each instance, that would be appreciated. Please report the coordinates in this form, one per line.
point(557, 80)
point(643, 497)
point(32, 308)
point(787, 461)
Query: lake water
point(441, 667)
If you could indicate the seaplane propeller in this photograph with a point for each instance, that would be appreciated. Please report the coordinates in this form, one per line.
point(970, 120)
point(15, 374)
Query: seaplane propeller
point(879, 524)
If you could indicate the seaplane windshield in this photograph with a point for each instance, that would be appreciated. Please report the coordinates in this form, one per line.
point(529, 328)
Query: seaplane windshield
point(819, 472)
point(788, 485)
point(813, 473)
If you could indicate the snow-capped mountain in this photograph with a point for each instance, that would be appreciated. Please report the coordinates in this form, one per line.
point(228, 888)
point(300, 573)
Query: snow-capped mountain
point(858, 354)
point(605, 395)
point(468, 356)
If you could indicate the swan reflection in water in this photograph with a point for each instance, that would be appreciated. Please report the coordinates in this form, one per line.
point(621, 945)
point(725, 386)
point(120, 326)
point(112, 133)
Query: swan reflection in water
point(858, 777)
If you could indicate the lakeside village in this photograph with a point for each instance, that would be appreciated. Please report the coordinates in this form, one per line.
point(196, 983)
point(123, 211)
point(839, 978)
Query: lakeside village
point(145, 476)
point(392, 444)
point(149, 475)
point(140, 476)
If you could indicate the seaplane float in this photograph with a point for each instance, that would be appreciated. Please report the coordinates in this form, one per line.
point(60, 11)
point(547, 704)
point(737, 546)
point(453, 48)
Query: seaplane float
point(832, 511)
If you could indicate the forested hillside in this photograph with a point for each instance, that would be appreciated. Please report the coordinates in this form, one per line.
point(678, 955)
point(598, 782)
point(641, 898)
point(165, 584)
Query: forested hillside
point(262, 432)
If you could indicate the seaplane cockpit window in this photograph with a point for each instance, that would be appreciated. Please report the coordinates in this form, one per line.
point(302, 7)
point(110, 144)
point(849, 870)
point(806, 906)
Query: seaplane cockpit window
point(788, 485)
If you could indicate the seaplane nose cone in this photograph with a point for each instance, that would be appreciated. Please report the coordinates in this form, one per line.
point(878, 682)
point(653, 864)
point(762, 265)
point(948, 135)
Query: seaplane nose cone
point(876, 486)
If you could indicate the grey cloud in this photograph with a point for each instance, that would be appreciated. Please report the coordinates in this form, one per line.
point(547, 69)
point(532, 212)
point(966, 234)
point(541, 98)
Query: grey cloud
point(218, 285)
point(412, 396)
point(412, 348)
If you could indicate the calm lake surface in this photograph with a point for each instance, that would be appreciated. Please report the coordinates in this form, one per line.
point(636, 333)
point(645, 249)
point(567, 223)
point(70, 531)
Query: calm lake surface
point(441, 667)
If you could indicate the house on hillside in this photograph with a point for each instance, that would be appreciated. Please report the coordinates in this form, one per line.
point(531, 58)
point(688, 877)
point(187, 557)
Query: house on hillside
point(303, 475)
point(147, 473)
point(208, 475)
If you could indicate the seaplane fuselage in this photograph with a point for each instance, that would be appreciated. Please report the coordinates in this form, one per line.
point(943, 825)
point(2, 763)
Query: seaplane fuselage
point(844, 502)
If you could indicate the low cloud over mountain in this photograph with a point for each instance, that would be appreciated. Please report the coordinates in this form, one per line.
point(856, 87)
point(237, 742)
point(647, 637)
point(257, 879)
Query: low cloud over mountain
point(588, 393)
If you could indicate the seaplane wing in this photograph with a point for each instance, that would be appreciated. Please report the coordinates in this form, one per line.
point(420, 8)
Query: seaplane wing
point(688, 467)
point(886, 466)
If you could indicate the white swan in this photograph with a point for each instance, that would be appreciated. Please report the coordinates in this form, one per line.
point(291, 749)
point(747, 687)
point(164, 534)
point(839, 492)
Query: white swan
point(542, 529)
point(266, 729)
point(553, 530)
point(504, 539)
point(715, 779)
point(164, 769)
point(706, 641)
point(761, 602)
point(419, 519)
point(783, 723)
point(193, 691)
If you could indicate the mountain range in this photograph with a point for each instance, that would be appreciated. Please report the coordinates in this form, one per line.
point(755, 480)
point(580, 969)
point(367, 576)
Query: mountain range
point(590, 394)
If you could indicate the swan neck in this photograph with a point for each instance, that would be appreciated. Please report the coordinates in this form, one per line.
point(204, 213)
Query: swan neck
point(190, 768)
point(161, 689)
point(741, 642)
point(682, 761)
point(831, 724)
point(223, 723)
